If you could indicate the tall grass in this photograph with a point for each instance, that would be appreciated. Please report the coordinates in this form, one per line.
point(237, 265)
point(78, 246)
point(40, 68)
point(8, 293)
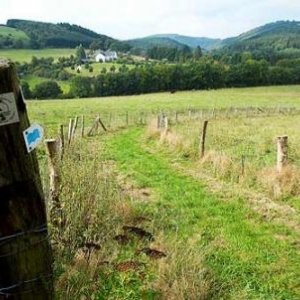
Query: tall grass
point(242, 150)
point(90, 263)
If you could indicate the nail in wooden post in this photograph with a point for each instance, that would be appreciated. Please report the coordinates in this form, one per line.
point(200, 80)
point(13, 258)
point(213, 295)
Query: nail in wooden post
point(202, 139)
point(282, 152)
point(25, 253)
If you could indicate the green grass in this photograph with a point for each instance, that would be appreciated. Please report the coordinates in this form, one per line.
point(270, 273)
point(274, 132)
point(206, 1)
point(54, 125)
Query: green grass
point(220, 243)
point(34, 80)
point(247, 260)
point(25, 55)
point(59, 111)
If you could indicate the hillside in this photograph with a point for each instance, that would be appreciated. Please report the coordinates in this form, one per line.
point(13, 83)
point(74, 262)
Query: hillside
point(11, 37)
point(192, 42)
point(60, 35)
point(281, 38)
point(155, 41)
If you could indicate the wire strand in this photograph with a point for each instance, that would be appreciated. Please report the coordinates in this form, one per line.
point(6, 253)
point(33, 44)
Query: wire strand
point(40, 229)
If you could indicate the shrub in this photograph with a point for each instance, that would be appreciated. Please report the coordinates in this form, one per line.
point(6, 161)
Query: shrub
point(47, 90)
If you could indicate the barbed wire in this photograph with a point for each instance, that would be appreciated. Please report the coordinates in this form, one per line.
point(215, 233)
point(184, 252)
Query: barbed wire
point(5, 239)
point(26, 248)
point(3, 290)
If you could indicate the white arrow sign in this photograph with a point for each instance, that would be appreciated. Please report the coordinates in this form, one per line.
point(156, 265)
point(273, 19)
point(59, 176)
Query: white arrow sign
point(33, 136)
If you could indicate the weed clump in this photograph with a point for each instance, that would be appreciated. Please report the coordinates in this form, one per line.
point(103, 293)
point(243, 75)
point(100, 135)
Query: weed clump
point(281, 184)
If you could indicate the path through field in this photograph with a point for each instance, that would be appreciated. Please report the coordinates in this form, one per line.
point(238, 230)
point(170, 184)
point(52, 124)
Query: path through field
point(249, 244)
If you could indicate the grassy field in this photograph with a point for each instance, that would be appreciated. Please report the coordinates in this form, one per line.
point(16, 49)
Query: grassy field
point(25, 55)
point(218, 235)
point(59, 111)
point(34, 80)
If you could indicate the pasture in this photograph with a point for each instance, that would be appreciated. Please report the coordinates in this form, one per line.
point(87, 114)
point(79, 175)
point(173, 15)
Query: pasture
point(208, 228)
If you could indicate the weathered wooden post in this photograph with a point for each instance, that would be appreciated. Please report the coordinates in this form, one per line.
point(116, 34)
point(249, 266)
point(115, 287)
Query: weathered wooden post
point(51, 146)
point(158, 121)
point(166, 121)
point(176, 117)
point(74, 128)
point(282, 152)
point(61, 138)
point(70, 131)
point(202, 138)
point(82, 126)
point(243, 158)
point(25, 253)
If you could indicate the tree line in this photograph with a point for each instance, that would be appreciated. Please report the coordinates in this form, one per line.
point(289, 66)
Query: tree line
point(204, 73)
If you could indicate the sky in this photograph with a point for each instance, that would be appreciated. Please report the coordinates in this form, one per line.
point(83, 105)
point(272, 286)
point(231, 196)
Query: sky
point(127, 19)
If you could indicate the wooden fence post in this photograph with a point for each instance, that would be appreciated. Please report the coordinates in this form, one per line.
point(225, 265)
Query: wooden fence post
point(61, 138)
point(82, 126)
point(158, 121)
point(243, 158)
point(166, 123)
point(202, 138)
point(282, 152)
point(51, 146)
point(176, 117)
point(70, 131)
point(25, 252)
point(74, 128)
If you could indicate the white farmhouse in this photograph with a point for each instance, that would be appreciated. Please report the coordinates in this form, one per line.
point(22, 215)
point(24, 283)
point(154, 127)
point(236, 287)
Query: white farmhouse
point(104, 56)
point(100, 57)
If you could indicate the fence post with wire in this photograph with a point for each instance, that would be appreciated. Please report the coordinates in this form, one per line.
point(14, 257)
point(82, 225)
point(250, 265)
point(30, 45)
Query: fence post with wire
point(25, 252)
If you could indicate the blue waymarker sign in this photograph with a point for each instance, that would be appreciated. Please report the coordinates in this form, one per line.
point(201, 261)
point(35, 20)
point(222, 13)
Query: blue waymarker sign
point(33, 136)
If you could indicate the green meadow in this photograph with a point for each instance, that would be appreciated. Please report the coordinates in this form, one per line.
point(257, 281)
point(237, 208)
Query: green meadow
point(165, 223)
point(25, 55)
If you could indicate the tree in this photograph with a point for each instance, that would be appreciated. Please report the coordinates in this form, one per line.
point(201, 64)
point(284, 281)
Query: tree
point(80, 53)
point(47, 90)
point(197, 53)
point(81, 87)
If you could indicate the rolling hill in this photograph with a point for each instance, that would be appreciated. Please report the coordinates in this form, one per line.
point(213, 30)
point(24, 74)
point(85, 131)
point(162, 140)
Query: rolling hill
point(192, 42)
point(154, 41)
point(12, 37)
point(280, 39)
point(60, 35)
point(281, 36)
